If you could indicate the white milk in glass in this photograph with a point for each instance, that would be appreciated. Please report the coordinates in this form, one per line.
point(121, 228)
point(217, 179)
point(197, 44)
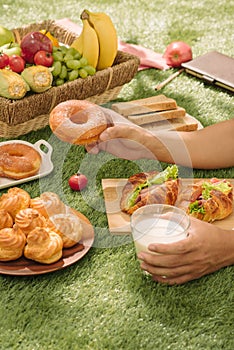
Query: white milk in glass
point(161, 230)
point(158, 224)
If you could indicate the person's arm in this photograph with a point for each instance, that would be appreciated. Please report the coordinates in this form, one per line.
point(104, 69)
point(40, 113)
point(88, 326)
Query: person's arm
point(209, 148)
point(207, 249)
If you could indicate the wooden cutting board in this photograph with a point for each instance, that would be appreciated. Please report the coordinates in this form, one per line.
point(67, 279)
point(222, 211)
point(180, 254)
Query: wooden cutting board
point(119, 222)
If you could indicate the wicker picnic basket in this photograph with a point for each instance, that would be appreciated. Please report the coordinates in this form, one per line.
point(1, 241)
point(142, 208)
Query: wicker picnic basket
point(18, 117)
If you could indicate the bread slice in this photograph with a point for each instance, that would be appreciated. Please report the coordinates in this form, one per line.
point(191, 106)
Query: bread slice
point(156, 113)
point(141, 119)
point(186, 123)
point(145, 105)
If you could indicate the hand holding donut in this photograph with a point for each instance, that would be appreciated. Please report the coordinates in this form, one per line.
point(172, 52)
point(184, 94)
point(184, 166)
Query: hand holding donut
point(78, 122)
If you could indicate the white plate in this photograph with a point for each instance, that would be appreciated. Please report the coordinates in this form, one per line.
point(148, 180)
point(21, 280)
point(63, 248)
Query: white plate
point(46, 164)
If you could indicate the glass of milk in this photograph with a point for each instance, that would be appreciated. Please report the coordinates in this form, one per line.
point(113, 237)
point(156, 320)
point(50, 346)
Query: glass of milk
point(158, 223)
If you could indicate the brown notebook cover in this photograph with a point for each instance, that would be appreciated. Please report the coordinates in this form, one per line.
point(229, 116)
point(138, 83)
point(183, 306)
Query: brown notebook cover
point(214, 68)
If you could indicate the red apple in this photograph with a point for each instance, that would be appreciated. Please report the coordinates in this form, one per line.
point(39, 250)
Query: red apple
point(32, 43)
point(43, 58)
point(177, 53)
point(4, 60)
point(16, 63)
point(77, 182)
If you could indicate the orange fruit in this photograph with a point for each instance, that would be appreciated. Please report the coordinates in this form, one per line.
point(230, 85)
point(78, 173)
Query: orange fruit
point(51, 37)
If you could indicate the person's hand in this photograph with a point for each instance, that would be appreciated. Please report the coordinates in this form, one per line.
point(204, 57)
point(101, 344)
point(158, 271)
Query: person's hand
point(207, 249)
point(124, 141)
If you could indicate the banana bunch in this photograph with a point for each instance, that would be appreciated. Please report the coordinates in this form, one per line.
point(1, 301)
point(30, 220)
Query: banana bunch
point(98, 41)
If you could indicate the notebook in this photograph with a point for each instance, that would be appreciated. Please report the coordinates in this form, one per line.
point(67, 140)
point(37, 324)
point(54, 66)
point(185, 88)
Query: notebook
point(214, 68)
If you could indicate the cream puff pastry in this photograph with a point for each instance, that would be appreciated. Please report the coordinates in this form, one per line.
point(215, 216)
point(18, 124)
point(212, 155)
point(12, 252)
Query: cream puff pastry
point(12, 243)
point(43, 245)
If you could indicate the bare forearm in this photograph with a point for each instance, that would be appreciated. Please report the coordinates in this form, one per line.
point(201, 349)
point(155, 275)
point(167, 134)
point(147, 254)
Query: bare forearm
point(208, 148)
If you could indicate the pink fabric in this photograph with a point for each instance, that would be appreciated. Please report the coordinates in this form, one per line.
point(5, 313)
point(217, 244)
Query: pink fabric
point(148, 57)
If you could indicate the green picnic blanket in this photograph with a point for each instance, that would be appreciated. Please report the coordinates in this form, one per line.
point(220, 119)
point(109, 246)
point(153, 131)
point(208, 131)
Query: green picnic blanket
point(103, 301)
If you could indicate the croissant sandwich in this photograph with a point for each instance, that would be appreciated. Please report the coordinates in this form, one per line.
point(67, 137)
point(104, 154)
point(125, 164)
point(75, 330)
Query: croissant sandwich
point(150, 188)
point(211, 200)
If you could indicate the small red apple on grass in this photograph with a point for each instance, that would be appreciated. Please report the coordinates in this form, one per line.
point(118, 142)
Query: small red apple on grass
point(177, 53)
point(78, 182)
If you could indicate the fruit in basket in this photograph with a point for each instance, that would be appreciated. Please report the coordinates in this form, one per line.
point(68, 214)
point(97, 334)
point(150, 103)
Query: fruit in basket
point(63, 73)
point(107, 39)
point(11, 49)
point(90, 69)
point(58, 54)
point(16, 63)
point(12, 85)
point(69, 65)
point(177, 53)
point(73, 74)
point(87, 43)
point(56, 68)
point(32, 43)
point(54, 40)
point(78, 43)
point(39, 78)
point(78, 182)
point(43, 58)
point(73, 64)
point(70, 53)
point(6, 36)
point(4, 60)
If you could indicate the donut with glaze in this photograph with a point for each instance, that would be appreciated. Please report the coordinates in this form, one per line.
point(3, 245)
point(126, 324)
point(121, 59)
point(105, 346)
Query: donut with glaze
point(18, 161)
point(78, 121)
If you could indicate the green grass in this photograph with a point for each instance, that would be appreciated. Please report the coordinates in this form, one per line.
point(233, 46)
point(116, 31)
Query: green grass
point(104, 301)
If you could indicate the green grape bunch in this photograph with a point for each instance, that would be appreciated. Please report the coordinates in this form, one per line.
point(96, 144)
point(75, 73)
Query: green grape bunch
point(69, 65)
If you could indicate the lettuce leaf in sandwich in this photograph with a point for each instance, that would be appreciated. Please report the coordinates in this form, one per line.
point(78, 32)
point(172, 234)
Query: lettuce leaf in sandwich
point(221, 186)
point(171, 172)
point(196, 207)
point(207, 188)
